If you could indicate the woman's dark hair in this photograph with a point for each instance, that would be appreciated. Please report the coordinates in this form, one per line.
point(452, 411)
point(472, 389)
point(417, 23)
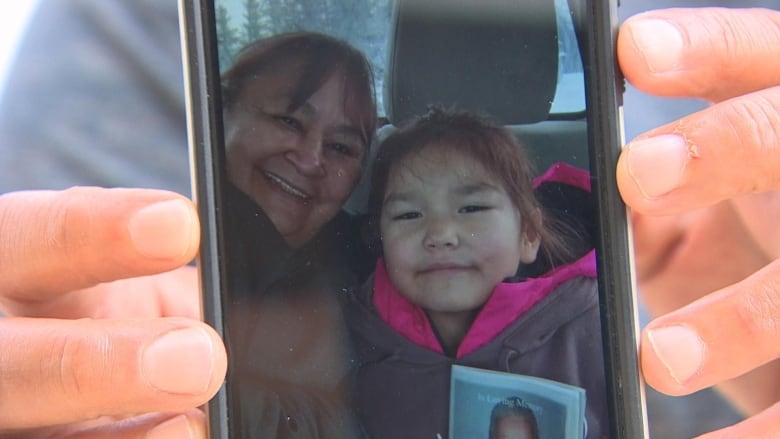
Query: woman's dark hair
point(485, 142)
point(509, 407)
point(319, 57)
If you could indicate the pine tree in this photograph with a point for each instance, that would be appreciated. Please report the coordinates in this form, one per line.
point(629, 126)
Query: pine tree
point(253, 21)
point(227, 38)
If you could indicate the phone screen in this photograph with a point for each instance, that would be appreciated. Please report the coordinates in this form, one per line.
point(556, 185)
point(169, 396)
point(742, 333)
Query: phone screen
point(411, 225)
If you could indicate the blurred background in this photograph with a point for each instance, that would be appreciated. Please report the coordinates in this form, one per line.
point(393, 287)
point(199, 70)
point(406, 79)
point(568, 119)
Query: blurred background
point(14, 16)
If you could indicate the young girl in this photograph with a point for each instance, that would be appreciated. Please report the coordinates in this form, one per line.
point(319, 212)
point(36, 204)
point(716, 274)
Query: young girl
point(459, 224)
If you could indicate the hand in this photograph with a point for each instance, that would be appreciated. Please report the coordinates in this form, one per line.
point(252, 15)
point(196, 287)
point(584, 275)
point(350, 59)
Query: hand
point(61, 255)
point(706, 207)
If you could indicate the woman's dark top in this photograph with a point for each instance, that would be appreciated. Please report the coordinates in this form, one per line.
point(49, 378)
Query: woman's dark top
point(286, 337)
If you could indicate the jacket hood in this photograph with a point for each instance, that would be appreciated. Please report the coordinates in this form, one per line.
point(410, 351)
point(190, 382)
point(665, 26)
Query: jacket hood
point(565, 173)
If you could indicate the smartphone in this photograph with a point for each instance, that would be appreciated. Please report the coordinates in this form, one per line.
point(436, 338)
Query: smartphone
point(410, 220)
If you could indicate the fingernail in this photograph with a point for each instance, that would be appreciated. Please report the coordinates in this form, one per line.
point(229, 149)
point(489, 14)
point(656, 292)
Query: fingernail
point(657, 164)
point(660, 43)
point(162, 230)
point(178, 427)
point(180, 361)
point(680, 349)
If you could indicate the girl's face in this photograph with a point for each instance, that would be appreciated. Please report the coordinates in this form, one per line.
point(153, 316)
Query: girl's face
point(299, 166)
point(450, 233)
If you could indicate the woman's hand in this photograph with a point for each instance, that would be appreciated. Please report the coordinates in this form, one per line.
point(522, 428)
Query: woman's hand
point(140, 349)
point(705, 191)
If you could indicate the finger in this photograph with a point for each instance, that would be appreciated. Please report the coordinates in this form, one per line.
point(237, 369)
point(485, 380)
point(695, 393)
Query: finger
point(717, 338)
point(724, 151)
point(761, 426)
point(86, 369)
point(759, 213)
point(707, 53)
point(61, 241)
point(170, 294)
point(188, 425)
point(675, 255)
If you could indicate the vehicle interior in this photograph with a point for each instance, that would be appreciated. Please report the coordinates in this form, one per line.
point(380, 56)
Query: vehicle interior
point(517, 61)
point(504, 59)
point(498, 57)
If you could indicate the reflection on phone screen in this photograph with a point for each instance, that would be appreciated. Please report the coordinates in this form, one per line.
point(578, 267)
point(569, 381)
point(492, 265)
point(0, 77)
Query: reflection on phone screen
point(408, 226)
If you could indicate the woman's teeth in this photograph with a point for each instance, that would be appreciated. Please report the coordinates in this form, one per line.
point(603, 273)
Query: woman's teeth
point(287, 187)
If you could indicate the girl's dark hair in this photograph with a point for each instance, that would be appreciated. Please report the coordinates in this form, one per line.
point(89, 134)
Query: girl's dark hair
point(319, 56)
point(512, 406)
point(485, 142)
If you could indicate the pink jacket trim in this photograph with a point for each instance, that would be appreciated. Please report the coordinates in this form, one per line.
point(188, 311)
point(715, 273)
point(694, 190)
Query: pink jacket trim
point(561, 172)
point(507, 303)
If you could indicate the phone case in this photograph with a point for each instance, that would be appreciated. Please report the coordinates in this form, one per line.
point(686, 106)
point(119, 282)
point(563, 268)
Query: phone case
point(476, 56)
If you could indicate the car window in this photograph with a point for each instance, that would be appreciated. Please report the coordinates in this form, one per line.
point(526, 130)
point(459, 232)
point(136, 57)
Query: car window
point(570, 93)
point(366, 25)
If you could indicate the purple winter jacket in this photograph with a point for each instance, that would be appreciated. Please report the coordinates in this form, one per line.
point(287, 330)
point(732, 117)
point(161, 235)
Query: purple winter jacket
point(402, 389)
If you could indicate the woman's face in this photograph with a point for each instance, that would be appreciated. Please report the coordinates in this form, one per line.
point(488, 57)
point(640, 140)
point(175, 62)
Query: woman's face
point(300, 166)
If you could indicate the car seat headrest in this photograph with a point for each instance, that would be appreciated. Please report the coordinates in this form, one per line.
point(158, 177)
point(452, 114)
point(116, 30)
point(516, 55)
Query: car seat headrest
point(498, 57)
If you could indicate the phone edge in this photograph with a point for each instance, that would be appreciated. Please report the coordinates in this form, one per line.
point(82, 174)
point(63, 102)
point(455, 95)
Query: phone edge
point(205, 184)
point(616, 275)
point(620, 327)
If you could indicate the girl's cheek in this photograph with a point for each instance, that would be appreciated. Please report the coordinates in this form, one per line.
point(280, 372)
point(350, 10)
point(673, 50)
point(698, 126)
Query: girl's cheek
point(399, 249)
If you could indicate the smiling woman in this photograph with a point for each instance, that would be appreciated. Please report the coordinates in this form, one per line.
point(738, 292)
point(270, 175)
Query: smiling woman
point(298, 115)
point(298, 119)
